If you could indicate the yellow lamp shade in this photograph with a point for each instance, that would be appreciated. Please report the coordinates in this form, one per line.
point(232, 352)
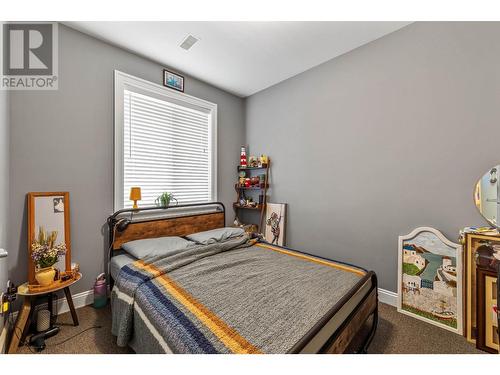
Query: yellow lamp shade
point(135, 195)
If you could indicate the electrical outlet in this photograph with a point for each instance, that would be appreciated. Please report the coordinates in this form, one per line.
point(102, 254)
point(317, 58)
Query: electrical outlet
point(6, 298)
point(4, 303)
point(11, 291)
point(11, 294)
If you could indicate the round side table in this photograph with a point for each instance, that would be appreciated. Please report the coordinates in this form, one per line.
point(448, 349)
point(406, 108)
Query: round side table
point(24, 316)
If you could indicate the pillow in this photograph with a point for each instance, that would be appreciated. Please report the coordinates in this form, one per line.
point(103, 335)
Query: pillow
point(215, 235)
point(152, 247)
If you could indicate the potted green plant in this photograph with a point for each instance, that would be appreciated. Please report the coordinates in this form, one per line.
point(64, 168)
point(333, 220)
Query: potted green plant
point(45, 253)
point(164, 199)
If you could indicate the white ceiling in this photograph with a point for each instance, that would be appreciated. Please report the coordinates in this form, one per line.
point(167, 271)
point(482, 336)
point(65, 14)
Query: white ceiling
point(240, 57)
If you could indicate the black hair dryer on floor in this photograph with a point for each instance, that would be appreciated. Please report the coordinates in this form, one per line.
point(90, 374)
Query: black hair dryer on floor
point(38, 340)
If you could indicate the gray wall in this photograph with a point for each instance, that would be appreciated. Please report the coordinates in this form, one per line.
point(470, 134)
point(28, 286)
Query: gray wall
point(63, 141)
point(386, 138)
point(365, 147)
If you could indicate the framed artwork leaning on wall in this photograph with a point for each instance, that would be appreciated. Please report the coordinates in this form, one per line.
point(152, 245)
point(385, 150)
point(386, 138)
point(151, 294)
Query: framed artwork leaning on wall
point(430, 278)
point(274, 225)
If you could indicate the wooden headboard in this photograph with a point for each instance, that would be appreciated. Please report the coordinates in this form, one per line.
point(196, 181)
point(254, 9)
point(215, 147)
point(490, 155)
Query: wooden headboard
point(177, 221)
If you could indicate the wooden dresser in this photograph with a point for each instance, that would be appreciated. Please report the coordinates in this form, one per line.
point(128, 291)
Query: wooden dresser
point(478, 294)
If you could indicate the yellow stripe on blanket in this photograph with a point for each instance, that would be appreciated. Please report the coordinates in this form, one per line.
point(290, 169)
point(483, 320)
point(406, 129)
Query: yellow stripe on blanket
point(154, 272)
point(227, 335)
point(315, 260)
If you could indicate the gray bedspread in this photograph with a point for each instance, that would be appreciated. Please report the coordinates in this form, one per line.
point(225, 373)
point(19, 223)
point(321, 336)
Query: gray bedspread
point(232, 297)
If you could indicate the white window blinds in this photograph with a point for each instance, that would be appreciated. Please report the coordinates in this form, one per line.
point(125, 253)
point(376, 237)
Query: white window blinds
point(167, 147)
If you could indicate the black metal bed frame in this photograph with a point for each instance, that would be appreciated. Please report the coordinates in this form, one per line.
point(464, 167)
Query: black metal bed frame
point(113, 221)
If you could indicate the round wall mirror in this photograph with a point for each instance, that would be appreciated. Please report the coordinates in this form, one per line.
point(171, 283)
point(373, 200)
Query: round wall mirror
point(486, 196)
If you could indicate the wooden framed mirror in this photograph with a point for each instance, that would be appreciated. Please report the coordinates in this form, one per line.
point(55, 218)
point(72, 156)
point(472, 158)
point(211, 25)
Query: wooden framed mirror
point(51, 212)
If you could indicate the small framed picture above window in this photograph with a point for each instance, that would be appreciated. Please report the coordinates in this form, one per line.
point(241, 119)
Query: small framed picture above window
point(173, 80)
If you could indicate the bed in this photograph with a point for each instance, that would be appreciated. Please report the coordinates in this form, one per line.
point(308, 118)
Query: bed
point(233, 295)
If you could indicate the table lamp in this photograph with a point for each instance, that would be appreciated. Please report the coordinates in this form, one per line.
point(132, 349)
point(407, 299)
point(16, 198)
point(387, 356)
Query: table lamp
point(135, 195)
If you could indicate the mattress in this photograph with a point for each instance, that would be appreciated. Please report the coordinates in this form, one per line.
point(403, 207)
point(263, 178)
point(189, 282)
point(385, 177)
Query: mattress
point(144, 337)
point(267, 298)
point(119, 261)
point(320, 339)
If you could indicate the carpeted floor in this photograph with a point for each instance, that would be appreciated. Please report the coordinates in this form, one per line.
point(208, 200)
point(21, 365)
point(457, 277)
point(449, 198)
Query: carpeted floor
point(396, 333)
point(90, 341)
point(401, 334)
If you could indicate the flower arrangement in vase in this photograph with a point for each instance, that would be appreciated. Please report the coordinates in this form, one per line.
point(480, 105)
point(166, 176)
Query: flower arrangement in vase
point(45, 253)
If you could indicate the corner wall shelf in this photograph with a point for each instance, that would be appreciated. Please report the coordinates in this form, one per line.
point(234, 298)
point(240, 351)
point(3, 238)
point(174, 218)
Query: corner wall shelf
point(240, 192)
point(240, 168)
point(258, 207)
point(251, 187)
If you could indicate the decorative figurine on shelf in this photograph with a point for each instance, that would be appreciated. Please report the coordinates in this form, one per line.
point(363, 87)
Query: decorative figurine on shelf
point(250, 203)
point(255, 181)
point(264, 161)
point(75, 269)
point(252, 162)
point(243, 157)
point(242, 175)
point(247, 182)
point(242, 200)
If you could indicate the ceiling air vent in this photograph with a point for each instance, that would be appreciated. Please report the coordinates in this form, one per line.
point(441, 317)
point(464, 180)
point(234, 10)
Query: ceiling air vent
point(188, 42)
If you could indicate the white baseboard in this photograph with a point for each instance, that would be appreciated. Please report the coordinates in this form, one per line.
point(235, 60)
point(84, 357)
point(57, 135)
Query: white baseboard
point(79, 300)
point(387, 297)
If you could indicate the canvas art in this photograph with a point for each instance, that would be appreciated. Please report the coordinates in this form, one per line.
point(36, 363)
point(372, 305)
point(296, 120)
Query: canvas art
point(430, 278)
point(275, 223)
point(173, 80)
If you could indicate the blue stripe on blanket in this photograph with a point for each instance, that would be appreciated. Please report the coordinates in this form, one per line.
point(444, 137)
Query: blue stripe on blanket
point(187, 333)
point(134, 273)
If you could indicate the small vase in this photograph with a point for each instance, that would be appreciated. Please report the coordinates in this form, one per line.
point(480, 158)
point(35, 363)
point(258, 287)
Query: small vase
point(45, 276)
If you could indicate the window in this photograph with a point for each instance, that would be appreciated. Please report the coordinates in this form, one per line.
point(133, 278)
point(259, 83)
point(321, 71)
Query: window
point(164, 141)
